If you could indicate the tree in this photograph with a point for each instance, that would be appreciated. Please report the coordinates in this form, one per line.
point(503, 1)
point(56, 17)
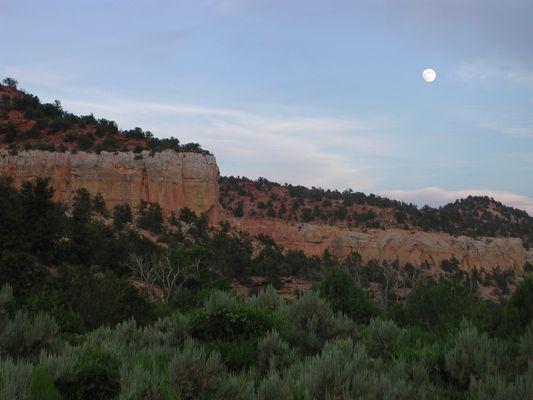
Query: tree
point(11, 82)
point(522, 300)
point(439, 306)
point(150, 217)
point(169, 271)
point(122, 215)
point(340, 289)
point(99, 205)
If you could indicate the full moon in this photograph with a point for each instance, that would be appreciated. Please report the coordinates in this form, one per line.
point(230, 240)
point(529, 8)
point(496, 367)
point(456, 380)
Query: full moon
point(429, 75)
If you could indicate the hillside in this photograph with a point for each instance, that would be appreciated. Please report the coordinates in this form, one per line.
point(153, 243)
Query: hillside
point(26, 123)
point(474, 216)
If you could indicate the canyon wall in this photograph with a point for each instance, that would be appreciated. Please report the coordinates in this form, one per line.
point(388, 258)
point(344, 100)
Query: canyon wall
point(174, 180)
point(413, 247)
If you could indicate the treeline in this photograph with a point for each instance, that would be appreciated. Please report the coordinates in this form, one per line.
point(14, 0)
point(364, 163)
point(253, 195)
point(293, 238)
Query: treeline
point(473, 216)
point(48, 127)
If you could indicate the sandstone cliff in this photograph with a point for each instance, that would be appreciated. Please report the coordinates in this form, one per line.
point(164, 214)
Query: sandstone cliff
point(174, 180)
point(406, 246)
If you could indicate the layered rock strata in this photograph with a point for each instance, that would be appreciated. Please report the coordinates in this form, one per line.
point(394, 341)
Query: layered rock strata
point(414, 247)
point(174, 180)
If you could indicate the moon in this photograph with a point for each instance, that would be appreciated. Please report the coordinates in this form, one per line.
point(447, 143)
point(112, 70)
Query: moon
point(429, 75)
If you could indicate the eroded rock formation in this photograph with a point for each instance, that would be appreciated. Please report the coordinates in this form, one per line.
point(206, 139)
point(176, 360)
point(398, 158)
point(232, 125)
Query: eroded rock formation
point(174, 180)
point(406, 246)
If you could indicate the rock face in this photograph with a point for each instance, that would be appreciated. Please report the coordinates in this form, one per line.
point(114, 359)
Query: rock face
point(174, 180)
point(413, 247)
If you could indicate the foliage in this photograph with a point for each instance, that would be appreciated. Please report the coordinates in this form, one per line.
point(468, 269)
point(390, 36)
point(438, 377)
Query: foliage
point(122, 215)
point(345, 296)
point(84, 133)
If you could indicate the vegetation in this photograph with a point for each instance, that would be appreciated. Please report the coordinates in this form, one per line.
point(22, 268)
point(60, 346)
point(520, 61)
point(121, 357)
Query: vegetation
point(100, 305)
point(473, 216)
point(26, 124)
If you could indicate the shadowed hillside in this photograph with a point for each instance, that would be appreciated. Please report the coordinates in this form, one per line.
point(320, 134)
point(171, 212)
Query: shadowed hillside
point(474, 216)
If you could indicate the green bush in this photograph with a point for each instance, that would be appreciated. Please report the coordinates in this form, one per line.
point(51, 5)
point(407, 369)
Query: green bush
point(381, 337)
point(439, 306)
point(344, 295)
point(41, 386)
point(195, 374)
point(313, 322)
point(150, 217)
point(474, 356)
point(522, 300)
point(96, 377)
point(27, 336)
point(14, 378)
point(122, 215)
point(274, 353)
point(225, 317)
point(274, 388)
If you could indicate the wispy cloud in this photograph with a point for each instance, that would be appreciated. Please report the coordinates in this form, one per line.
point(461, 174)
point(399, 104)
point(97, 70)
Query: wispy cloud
point(435, 196)
point(479, 71)
point(514, 124)
point(318, 150)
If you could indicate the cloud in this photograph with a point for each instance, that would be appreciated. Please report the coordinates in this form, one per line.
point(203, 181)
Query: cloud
point(513, 124)
point(311, 150)
point(435, 196)
point(480, 71)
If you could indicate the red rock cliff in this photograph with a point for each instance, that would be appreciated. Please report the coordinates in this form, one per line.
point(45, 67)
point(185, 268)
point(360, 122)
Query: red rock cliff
point(174, 180)
point(406, 246)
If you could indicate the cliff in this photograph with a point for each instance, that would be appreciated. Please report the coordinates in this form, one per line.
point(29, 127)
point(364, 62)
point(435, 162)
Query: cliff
point(174, 180)
point(406, 246)
point(178, 179)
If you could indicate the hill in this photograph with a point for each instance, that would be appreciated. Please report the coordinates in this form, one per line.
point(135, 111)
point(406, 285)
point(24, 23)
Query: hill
point(474, 216)
point(26, 123)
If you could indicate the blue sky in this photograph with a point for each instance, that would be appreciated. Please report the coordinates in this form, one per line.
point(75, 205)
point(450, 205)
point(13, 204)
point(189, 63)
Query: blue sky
point(321, 93)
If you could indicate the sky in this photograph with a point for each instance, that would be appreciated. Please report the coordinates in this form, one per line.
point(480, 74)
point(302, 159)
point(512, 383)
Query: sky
point(322, 93)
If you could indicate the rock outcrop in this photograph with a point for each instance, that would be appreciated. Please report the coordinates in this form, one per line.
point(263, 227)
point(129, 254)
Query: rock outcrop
point(413, 247)
point(174, 180)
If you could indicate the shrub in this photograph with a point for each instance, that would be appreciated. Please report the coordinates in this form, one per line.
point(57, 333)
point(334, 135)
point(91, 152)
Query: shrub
point(381, 337)
point(274, 353)
point(238, 210)
point(314, 322)
point(267, 299)
point(150, 217)
point(344, 295)
point(85, 142)
point(11, 82)
point(121, 215)
point(96, 376)
point(6, 297)
point(274, 388)
point(438, 306)
point(224, 317)
point(525, 353)
point(329, 374)
point(145, 382)
point(496, 388)
point(474, 356)
point(41, 386)
point(176, 327)
point(13, 379)
point(522, 300)
point(99, 205)
point(195, 374)
point(26, 336)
